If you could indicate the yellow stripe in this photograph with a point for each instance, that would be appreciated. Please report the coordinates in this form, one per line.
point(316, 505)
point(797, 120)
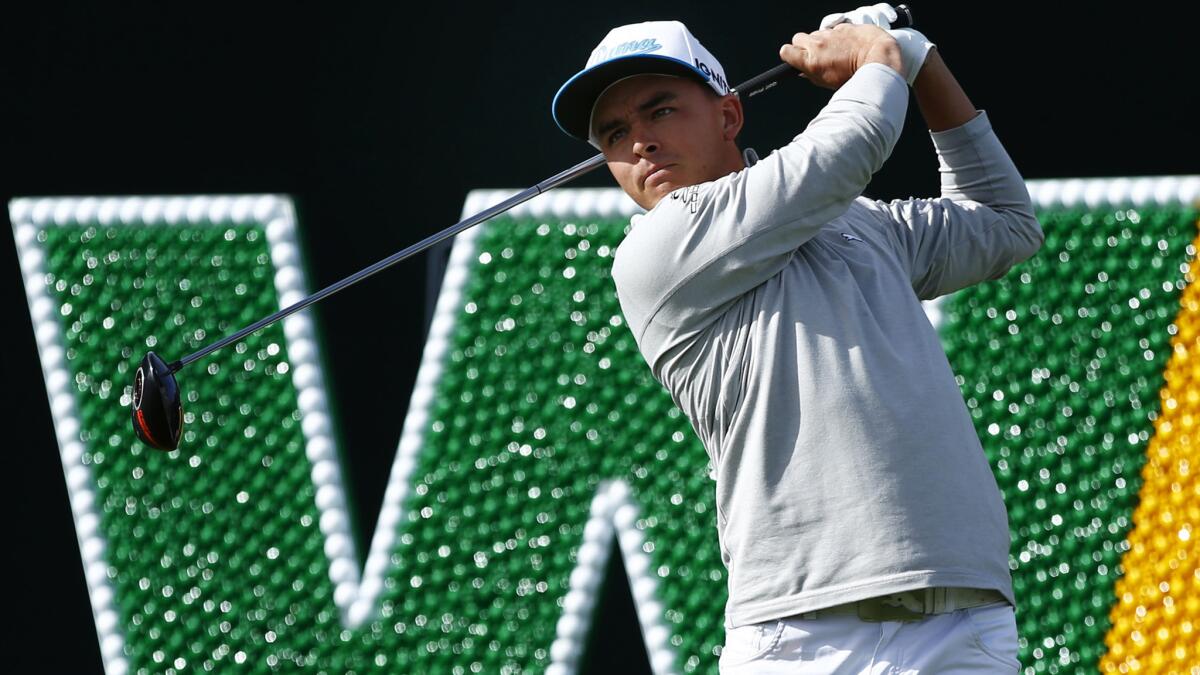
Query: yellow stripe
point(1156, 619)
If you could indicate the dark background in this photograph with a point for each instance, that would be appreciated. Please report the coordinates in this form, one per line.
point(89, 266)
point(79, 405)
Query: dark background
point(377, 119)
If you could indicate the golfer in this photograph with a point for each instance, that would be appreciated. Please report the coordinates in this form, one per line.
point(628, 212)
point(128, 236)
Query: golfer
point(858, 519)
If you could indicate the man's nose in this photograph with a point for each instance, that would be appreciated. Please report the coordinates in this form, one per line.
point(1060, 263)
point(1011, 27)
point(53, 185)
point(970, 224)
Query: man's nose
point(645, 144)
point(647, 148)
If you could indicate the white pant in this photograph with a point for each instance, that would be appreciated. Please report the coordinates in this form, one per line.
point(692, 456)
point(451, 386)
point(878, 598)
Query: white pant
point(975, 640)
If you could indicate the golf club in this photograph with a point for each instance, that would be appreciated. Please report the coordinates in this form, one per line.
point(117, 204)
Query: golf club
point(157, 413)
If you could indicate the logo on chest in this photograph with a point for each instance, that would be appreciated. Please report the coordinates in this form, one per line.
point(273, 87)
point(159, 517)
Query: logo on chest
point(688, 197)
point(850, 237)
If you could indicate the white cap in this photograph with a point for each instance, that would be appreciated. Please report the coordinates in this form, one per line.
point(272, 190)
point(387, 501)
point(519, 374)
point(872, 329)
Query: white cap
point(651, 47)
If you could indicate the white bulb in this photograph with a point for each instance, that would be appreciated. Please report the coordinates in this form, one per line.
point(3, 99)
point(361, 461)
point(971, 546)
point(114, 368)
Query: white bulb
point(197, 209)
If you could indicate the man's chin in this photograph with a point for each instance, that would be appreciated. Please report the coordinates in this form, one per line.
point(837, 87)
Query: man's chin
point(651, 198)
point(664, 188)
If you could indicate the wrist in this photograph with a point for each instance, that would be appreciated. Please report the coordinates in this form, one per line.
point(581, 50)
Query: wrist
point(887, 52)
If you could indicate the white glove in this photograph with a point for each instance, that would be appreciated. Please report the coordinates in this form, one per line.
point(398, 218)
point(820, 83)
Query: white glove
point(881, 15)
point(914, 46)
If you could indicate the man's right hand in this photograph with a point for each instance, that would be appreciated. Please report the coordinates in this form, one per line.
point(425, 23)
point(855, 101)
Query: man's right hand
point(831, 57)
point(914, 47)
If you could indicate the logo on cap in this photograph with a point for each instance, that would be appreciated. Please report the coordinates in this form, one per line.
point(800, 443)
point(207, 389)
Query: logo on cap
point(713, 74)
point(603, 53)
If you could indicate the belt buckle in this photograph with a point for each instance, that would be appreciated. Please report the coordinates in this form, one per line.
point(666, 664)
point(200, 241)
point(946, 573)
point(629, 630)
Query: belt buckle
point(875, 609)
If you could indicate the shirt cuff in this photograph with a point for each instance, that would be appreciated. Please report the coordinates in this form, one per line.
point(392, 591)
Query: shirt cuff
point(974, 165)
point(965, 134)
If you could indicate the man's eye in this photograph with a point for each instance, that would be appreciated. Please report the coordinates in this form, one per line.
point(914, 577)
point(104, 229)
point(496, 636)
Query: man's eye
point(616, 136)
point(661, 112)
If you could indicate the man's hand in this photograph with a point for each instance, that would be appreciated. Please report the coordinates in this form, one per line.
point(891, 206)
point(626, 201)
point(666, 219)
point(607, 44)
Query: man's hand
point(914, 47)
point(830, 57)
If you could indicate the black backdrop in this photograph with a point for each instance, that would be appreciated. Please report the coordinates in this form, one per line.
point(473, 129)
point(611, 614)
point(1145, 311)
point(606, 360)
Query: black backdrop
point(377, 119)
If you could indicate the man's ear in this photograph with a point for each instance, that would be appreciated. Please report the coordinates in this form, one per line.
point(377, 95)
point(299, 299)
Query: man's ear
point(732, 117)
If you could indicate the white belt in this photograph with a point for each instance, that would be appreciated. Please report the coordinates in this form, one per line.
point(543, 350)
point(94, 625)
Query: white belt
point(911, 605)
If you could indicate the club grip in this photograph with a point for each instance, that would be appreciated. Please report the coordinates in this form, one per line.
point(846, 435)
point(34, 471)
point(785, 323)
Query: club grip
point(784, 71)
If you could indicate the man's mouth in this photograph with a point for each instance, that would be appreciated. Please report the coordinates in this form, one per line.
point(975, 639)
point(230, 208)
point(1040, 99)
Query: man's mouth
point(656, 173)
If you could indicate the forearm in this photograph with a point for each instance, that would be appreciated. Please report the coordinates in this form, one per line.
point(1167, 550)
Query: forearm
point(942, 101)
point(816, 177)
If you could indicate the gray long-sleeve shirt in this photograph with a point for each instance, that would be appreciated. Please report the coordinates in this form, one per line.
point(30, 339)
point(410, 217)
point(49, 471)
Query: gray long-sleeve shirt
point(782, 311)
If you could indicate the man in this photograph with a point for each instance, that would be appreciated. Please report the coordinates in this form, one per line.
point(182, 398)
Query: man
point(857, 516)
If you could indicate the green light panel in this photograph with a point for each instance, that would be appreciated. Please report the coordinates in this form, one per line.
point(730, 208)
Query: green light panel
point(535, 438)
point(1061, 363)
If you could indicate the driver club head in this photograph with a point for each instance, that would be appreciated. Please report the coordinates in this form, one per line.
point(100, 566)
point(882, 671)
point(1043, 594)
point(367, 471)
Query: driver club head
point(157, 413)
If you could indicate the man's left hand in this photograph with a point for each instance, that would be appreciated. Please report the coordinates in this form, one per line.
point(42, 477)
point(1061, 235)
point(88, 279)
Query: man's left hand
point(881, 15)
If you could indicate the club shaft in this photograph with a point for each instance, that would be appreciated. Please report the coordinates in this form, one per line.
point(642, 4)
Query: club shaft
point(519, 198)
point(752, 87)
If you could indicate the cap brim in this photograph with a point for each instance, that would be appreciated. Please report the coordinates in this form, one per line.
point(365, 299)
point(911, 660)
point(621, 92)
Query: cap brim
point(572, 107)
